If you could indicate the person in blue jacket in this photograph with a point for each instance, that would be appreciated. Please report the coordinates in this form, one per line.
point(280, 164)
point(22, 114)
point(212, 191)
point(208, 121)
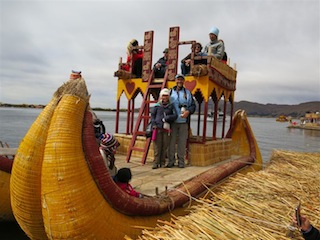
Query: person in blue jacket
point(162, 116)
point(184, 106)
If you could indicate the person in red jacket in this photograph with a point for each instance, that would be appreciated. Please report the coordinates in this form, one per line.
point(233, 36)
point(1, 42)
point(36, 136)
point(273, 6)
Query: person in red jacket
point(122, 179)
point(137, 56)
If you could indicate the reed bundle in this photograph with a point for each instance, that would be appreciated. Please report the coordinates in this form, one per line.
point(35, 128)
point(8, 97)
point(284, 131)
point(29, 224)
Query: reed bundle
point(199, 70)
point(25, 183)
point(258, 205)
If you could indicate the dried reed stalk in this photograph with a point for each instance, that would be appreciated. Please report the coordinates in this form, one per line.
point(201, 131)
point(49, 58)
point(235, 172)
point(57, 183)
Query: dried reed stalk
point(258, 205)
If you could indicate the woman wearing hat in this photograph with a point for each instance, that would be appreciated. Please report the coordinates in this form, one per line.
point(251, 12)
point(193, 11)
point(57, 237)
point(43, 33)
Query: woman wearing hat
point(186, 62)
point(162, 115)
point(108, 148)
point(214, 47)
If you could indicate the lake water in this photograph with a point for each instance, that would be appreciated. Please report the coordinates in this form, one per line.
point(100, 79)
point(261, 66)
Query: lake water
point(15, 122)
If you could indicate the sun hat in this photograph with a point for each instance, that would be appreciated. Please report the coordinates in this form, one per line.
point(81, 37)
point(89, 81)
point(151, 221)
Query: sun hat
point(179, 76)
point(164, 91)
point(215, 31)
point(134, 42)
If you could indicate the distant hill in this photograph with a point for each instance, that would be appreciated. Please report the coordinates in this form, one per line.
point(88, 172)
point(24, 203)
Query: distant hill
point(251, 108)
point(275, 110)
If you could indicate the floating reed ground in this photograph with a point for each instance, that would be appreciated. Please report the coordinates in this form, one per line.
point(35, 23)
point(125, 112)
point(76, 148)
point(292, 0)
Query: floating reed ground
point(258, 205)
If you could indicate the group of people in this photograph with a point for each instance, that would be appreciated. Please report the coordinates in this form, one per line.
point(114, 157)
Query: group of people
point(135, 55)
point(170, 119)
point(170, 116)
point(215, 47)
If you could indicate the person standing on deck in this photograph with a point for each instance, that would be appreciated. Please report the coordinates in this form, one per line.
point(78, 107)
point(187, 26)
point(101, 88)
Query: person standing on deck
point(184, 106)
point(215, 47)
point(162, 116)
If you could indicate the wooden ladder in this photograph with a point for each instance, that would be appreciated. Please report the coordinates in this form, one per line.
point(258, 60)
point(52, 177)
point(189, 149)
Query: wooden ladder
point(153, 88)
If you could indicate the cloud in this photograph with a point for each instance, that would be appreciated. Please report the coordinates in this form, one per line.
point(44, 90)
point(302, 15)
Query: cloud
point(275, 44)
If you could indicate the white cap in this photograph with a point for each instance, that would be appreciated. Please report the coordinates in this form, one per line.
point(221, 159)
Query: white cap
point(164, 91)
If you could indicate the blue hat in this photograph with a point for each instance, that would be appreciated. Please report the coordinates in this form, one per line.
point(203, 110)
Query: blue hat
point(215, 31)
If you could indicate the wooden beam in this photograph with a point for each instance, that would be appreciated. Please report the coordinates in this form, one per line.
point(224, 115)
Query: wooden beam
point(8, 151)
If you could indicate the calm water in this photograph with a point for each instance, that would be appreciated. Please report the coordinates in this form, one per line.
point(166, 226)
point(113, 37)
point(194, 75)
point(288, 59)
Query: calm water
point(15, 122)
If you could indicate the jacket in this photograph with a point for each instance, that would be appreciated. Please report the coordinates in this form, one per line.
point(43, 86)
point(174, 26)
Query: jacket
point(313, 234)
point(162, 112)
point(182, 98)
point(217, 49)
point(200, 61)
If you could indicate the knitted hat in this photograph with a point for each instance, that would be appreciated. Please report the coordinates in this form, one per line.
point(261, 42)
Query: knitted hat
point(75, 74)
point(108, 141)
point(123, 175)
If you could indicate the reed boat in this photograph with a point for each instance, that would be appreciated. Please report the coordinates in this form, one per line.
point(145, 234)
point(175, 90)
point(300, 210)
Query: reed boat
point(282, 118)
point(6, 161)
point(61, 187)
point(211, 114)
point(311, 121)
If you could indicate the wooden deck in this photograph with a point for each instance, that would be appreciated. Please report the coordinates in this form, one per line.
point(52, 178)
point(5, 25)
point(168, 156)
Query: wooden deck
point(8, 151)
point(146, 180)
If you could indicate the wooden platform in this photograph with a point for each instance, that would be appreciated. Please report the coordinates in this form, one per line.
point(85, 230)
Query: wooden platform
point(146, 180)
point(8, 151)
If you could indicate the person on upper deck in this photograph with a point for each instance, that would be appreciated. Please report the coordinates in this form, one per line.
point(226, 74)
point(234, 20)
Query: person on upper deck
point(185, 63)
point(137, 56)
point(160, 66)
point(215, 47)
point(225, 56)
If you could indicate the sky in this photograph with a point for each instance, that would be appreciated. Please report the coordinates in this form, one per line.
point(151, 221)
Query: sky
point(274, 44)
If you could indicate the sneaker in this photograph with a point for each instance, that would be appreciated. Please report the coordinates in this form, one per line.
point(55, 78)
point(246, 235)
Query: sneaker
point(169, 165)
point(155, 166)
